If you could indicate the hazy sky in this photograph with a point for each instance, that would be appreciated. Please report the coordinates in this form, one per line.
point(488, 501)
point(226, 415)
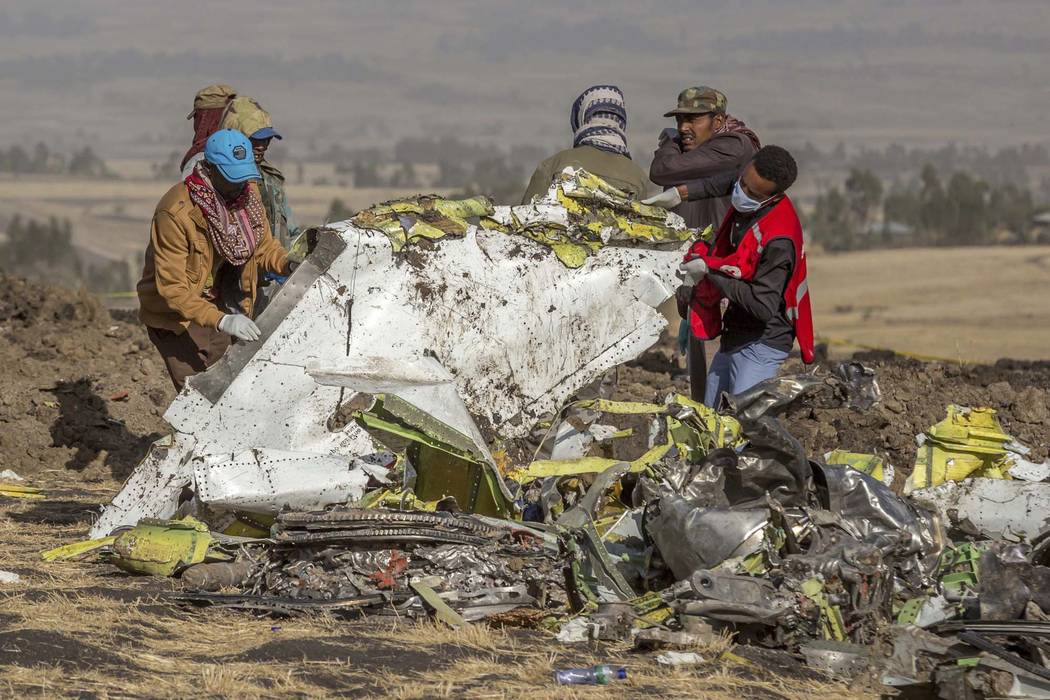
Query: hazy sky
point(122, 73)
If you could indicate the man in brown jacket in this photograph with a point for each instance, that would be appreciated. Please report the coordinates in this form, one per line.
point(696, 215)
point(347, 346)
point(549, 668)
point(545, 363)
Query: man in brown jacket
point(208, 241)
point(707, 142)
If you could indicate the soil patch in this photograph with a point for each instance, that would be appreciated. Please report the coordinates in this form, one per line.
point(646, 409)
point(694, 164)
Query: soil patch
point(83, 391)
point(33, 647)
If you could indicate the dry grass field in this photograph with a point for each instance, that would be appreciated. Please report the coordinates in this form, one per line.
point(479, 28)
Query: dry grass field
point(964, 304)
point(84, 629)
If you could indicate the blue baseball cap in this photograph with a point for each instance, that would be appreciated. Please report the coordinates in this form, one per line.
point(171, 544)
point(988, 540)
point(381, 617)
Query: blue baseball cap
point(267, 132)
point(231, 152)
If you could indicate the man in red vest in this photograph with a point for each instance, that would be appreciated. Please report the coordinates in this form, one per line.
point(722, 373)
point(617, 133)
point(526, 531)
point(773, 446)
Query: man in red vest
point(758, 263)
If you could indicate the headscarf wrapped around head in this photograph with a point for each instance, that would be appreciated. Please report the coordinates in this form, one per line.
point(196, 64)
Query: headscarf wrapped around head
point(599, 119)
point(209, 105)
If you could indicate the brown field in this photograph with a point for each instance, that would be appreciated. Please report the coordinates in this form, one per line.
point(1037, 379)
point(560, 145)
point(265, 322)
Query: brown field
point(963, 304)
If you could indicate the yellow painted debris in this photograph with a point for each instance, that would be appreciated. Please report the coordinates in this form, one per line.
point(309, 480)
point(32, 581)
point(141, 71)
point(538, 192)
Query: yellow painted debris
point(19, 491)
point(68, 552)
point(970, 442)
point(872, 465)
point(161, 547)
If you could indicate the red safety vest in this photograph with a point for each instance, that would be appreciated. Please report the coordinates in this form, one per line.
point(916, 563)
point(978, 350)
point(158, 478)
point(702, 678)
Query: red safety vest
point(705, 308)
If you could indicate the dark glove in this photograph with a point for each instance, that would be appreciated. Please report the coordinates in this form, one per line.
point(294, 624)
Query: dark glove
point(682, 296)
point(668, 134)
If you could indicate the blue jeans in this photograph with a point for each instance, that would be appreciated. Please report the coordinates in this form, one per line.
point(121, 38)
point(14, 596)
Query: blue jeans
point(739, 370)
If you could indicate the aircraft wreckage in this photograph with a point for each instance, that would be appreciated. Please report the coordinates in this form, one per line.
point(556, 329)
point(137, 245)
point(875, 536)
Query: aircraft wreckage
point(417, 433)
point(474, 320)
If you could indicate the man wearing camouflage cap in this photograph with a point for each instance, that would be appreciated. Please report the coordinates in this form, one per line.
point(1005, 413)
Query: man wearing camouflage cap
point(246, 115)
point(209, 106)
point(708, 142)
point(708, 146)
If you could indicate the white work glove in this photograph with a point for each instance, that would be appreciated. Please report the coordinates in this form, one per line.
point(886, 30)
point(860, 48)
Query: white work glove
point(692, 272)
point(240, 326)
point(668, 199)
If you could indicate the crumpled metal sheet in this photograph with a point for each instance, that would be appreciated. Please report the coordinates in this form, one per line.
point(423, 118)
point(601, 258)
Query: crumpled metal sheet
point(859, 384)
point(691, 538)
point(515, 329)
point(1009, 582)
point(968, 443)
point(882, 519)
point(702, 484)
point(774, 461)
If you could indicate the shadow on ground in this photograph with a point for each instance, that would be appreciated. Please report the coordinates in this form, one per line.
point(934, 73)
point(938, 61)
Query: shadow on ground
point(84, 424)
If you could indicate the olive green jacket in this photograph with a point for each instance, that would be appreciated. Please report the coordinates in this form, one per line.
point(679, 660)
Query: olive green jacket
point(278, 213)
point(619, 171)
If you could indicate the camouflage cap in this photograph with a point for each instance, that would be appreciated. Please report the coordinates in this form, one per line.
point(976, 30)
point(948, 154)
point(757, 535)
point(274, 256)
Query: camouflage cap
point(699, 100)
point(248, 117)
point(212, 97)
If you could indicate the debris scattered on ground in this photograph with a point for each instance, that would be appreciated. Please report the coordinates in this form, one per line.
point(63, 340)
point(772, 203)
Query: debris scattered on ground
point(411, 465)
point(9, 577)
point(679, 658)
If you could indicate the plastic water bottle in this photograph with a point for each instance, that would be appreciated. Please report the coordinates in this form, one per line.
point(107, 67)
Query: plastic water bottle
point(602, 674)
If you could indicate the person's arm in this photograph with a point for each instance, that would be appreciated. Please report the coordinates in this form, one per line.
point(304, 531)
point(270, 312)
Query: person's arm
point(672, 166)
point(720, 185)
point(762, 295)
point(171, 250)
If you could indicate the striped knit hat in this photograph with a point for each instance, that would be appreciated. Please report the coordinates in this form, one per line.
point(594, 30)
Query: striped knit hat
point(599, 119)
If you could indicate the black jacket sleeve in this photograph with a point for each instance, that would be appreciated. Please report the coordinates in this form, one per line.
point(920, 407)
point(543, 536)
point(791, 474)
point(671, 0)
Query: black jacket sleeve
point(719, 185)
point(761, 296)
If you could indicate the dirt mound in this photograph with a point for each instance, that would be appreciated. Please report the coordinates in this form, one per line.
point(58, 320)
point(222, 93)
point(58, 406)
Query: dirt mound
point(81, 390)
point(915, 396)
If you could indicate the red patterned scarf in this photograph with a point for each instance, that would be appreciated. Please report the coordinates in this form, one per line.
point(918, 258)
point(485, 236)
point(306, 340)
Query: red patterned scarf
point(206, 121)
point(734, 124)
point(234, 229)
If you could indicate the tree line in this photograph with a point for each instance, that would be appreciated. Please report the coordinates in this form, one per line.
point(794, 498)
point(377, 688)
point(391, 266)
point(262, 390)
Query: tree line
point(962, 209)
point(41, 160)
point(44, 250)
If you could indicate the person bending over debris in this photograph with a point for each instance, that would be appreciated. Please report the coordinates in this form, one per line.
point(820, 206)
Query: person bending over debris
point(599, 145)
point(209, 106)
point(758, 262)
point(246, 115)
point(208, 240)
point(707, 142)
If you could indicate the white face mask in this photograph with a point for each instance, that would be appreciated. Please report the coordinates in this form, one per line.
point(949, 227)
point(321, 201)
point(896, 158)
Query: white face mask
point(744, 204)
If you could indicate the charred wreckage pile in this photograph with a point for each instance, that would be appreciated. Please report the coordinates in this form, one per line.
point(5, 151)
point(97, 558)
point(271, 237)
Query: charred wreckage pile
point(414, 434)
